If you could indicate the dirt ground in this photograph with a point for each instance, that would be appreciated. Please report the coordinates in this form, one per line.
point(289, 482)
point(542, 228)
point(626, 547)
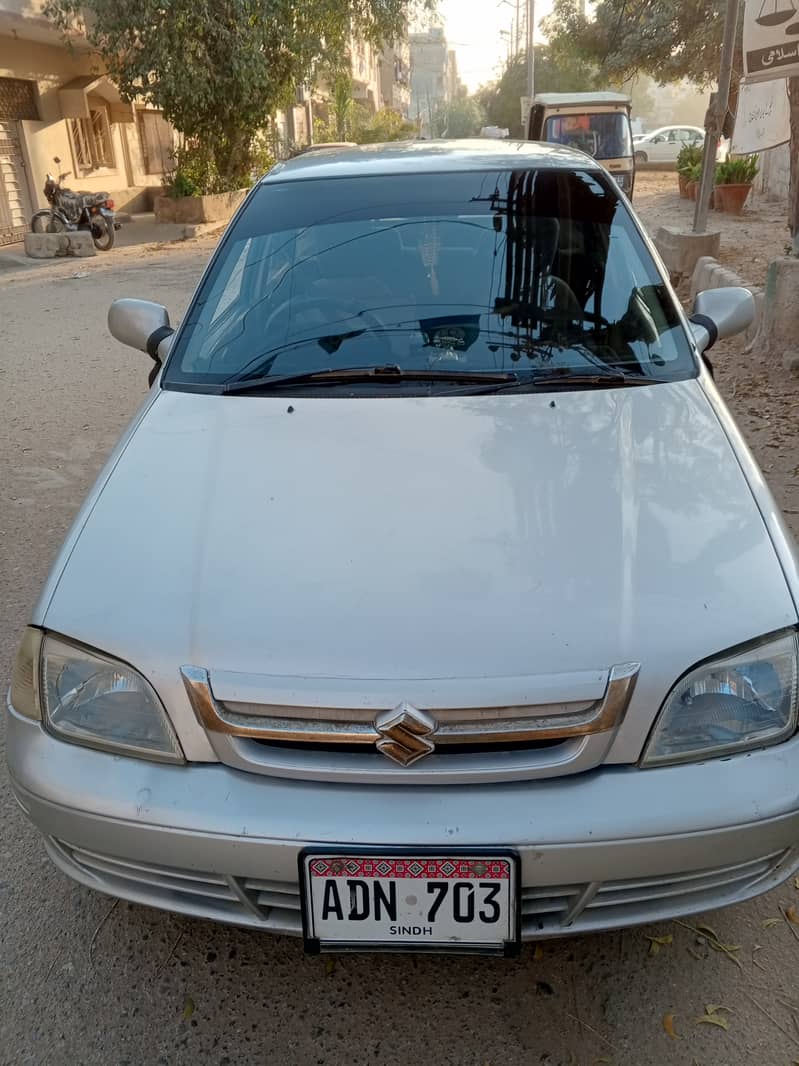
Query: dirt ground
point(87, 981)
point(748, 242)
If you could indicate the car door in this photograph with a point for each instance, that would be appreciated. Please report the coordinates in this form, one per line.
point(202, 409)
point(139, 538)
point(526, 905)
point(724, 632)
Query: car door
point(658, 148)
point(675, 138)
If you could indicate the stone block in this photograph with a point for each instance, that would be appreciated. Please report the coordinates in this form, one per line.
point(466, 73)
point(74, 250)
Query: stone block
point(780, 307)
point(791, 361)
point(700, 280)
point(58, 245)
point(682, 251)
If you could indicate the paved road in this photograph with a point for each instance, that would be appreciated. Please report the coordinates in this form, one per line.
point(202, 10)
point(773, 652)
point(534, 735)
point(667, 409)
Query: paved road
point(87, 981)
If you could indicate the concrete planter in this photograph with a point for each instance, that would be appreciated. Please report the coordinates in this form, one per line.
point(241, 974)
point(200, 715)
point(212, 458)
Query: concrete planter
point(193, 210)
point(731, 198)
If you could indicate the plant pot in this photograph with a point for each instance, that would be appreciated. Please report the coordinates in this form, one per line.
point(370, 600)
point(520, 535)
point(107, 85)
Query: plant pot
point(693, 190)
point(191, 210)
point(731, 198)
point(681, 178)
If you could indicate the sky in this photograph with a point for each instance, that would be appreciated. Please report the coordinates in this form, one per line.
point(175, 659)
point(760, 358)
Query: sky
point(473, 30)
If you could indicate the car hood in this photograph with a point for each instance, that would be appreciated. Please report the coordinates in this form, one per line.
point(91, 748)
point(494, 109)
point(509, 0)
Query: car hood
point(422, 538)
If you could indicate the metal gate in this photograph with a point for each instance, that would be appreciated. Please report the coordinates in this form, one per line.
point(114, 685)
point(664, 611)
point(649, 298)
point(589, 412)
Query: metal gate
point(17, 101)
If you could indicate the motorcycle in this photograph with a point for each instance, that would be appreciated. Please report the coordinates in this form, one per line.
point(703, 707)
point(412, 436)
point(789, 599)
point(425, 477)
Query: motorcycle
point(68, 211)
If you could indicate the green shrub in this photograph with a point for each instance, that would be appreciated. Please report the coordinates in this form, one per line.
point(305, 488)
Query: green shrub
point(690, 155)
point(694, 172)
point(194, 172)
point(740, 171)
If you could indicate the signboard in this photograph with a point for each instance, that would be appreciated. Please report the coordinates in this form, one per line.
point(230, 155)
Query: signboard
point(771, 39)
point(764, 117)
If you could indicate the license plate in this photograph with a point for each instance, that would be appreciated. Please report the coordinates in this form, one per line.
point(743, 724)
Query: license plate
point(410, 901)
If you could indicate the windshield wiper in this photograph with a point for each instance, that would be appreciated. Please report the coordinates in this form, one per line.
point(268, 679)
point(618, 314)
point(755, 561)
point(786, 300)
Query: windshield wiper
point(593, 379)
point(389, 374)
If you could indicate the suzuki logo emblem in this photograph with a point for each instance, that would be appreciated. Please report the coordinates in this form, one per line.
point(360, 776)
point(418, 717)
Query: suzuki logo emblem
point(405, 734)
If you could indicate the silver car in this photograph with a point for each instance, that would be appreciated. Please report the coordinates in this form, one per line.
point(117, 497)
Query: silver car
point(432, 600)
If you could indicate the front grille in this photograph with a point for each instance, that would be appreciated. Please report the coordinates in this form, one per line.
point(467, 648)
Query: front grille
point(436, 743)
point(546, 910)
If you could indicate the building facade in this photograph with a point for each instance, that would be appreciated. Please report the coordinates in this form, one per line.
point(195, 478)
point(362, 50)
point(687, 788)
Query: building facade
point(395, 78)
point(59, 115)
point(430, 76)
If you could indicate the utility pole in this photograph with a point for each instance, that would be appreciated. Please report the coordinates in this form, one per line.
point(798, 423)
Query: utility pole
point(531, 49)
point(716, 116)
point(793, 91)
point(518, 32)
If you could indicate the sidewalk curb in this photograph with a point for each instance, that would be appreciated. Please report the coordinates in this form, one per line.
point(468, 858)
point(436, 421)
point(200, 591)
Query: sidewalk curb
point(710, 274)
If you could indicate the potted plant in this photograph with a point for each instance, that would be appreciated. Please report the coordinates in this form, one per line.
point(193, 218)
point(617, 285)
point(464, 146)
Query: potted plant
point(734, 180)
point(690, 155)
point(694, 176)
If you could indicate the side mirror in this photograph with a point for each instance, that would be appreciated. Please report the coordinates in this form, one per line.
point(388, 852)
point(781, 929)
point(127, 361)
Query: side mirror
point(721, 313)
point(141, 325)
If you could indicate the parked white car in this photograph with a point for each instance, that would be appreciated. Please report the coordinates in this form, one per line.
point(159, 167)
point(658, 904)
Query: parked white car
point(664, 145)
point(432, 600)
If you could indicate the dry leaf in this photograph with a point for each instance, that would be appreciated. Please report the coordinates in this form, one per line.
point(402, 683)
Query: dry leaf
point(714, 1008)
point(668, 1026)
point(658, 942)
point(188, 1008)
point(713, 1019)
point(791, 915)
point(769, 923)
point(330, 966)
point(796, 879)
point(707, 931)
point(538, 954)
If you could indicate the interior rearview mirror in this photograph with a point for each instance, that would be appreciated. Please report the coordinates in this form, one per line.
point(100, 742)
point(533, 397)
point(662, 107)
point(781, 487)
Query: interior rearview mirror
point(721, 313)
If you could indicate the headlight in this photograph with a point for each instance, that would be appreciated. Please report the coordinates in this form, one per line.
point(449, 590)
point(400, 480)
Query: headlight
point(91, 699)
point(744, 700)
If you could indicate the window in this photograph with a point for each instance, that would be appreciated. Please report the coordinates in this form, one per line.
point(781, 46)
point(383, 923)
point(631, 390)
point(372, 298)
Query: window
point(604, 136)
point(485, 271)
point(91, 140)
point(157, 140)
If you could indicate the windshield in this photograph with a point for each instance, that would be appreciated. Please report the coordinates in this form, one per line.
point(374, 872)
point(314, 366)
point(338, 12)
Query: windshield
point(605, 136)
point(518, 271)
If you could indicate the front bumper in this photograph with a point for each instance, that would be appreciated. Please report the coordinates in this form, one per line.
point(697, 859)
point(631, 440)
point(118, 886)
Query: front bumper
point(599, 850)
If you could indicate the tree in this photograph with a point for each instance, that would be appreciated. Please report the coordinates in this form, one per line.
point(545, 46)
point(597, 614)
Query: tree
point(556, 70)
point(667, 39)
point(219, 69)
point(461, 117)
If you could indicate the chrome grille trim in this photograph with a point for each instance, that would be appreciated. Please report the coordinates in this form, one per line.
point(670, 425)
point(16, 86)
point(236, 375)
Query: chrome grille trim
point(484, 725)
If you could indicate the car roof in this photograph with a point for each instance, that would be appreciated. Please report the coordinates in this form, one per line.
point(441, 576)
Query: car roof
point(676, 126)
point(429, 157)
point(566, 99)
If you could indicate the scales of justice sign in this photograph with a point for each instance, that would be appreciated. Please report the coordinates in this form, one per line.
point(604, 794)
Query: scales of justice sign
point(771, 39)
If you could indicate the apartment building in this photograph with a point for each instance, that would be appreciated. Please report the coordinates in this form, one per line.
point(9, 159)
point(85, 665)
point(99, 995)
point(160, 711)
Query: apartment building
point(430, 76)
